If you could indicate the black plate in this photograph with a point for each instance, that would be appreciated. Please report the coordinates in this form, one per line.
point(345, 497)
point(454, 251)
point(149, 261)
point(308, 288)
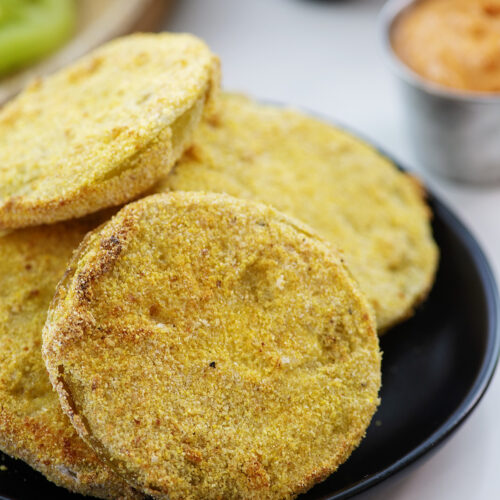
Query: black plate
point(435, 369)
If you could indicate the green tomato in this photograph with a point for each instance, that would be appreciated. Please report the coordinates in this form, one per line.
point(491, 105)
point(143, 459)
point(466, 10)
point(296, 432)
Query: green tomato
point(31, 29)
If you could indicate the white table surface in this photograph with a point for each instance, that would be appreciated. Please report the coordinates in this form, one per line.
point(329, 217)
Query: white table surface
point(325, 56)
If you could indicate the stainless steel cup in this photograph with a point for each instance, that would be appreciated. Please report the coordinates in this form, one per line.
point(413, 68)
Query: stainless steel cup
point(455, 134)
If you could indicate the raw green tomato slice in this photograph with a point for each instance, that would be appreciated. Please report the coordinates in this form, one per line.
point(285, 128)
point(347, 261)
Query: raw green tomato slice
point(31, 29)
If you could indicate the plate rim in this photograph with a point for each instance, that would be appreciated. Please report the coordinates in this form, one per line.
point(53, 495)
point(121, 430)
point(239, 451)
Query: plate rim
point(484, 376)
point(491, 354)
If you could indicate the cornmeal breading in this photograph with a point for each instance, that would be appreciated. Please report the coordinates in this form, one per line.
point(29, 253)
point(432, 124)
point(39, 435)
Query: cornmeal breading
point(349, 193)
point(103, 130)
point(210, 347)
point(32, 424)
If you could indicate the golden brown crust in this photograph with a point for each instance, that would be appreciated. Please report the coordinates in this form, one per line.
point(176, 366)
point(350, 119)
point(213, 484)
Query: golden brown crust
point(103, 130)
point(350, 194)
point(32, 425)
point(209, 347)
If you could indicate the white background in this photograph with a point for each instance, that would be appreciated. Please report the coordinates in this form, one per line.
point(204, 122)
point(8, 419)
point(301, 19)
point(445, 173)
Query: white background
point(325, 56)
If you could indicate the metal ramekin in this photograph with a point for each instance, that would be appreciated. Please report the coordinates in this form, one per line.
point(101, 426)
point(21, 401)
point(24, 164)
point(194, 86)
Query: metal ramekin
point(455, 134)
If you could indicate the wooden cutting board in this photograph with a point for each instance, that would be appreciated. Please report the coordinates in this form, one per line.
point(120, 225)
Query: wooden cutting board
point(98, 21)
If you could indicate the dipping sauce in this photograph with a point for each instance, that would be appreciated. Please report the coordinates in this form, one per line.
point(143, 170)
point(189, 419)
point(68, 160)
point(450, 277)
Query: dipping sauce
point(455, 43)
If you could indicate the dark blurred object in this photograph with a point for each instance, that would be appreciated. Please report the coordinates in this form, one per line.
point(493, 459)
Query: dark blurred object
point(153, 18)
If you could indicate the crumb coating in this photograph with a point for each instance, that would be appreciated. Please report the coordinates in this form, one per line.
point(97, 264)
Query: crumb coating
point(210, 347)
point(32, 424)
point(343, 188)
point(103, 130)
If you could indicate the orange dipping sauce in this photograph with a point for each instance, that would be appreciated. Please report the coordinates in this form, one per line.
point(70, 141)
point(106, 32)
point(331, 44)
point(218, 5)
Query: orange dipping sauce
point(455, 43)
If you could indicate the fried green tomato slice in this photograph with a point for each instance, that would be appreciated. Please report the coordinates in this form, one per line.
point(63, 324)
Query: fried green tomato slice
point(31, 29)
point(103, 130)
point(32, 424)
point(344, 189)
point(210, 347)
